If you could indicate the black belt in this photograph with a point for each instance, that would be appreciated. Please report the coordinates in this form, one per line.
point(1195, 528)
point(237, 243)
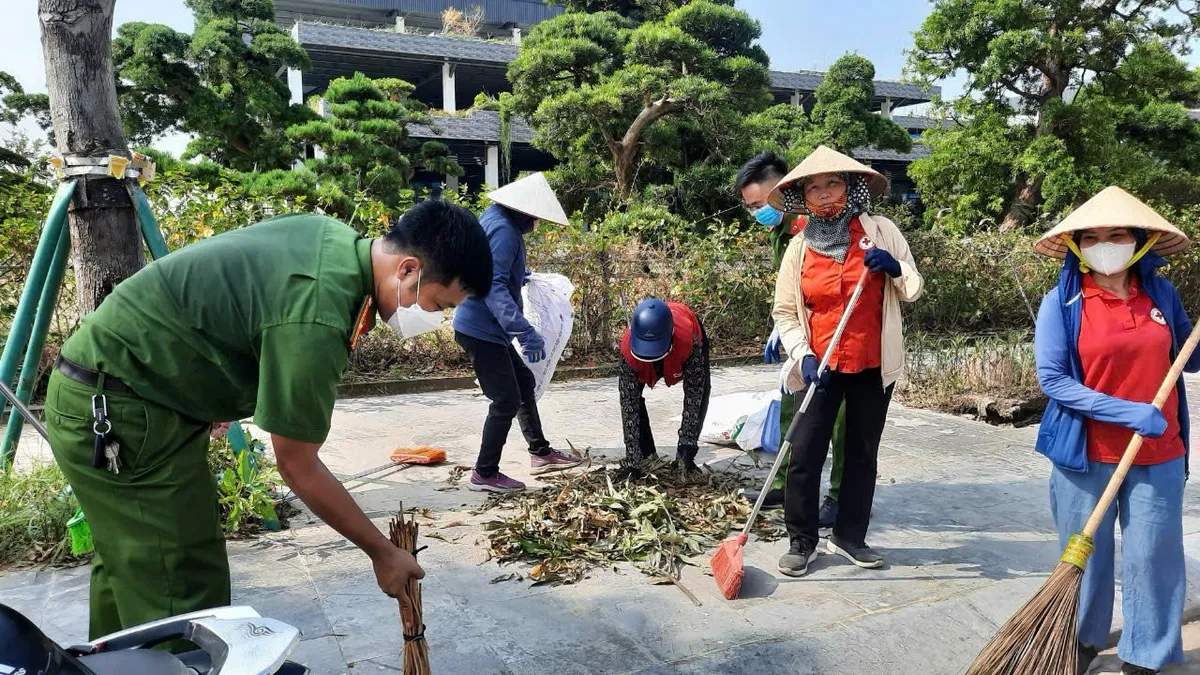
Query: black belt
point(89, 377)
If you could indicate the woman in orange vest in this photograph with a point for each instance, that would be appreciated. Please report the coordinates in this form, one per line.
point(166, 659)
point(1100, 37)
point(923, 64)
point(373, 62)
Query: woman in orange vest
point(820, 270)
point(664, 341)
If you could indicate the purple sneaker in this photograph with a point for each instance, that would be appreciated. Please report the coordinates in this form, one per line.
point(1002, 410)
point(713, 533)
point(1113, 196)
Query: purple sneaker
point(497, 483)
point(554, 461)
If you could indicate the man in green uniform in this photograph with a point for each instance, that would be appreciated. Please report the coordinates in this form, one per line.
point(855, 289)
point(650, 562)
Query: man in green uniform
point(754, 182)
point(255, 322)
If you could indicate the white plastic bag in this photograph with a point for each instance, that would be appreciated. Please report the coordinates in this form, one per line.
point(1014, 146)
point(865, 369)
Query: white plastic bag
point(728, 413)
point(750, 436)
point(547, 300)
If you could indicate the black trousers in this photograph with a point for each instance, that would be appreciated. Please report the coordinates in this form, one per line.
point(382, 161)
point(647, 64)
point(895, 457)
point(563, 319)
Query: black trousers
point(509, 385)
point(697, 389)
point(866, 411)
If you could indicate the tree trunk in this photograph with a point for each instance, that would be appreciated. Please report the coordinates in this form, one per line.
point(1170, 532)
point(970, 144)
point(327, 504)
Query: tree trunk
point(105, 238)
point(625, 166)
point(626, 151)
point(1055, 78)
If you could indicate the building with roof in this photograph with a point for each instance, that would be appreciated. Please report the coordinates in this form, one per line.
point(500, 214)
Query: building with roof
point(403, 39)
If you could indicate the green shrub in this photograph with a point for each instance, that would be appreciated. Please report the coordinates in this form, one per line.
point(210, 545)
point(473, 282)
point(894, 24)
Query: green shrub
point(34, 509)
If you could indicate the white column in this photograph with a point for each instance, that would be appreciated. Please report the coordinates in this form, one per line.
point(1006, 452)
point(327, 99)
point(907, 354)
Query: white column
point(491, 168)
point(296, 85)
point(796, 98)
point(448, 102)
point(400, 27)
point(886, 108)
point(451, 183)
point(295, 78)
point(516, 36)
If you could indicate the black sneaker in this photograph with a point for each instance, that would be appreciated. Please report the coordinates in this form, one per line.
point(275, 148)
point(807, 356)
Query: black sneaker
point(1130, 669)
point(1087, 654)
point(795, 562)
point(774, 498)
point(828, 515)
point(859, 554)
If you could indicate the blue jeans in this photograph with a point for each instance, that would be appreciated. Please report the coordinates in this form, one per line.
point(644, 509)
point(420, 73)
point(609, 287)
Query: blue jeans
point(1153, 574)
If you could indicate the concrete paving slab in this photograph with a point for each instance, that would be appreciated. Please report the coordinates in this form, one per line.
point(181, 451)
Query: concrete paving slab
point(961, 514)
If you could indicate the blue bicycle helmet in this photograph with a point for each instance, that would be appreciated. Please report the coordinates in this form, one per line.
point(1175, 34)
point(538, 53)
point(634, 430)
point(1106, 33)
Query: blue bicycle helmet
point(650, 330)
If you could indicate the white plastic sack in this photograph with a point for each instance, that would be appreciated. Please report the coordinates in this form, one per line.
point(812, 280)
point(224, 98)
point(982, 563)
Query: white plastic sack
point(750, 436)
point(548, 308)
point(728, 413)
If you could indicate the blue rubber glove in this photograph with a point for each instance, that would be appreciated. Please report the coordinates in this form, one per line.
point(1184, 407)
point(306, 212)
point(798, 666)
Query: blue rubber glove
point(808, 369)
point(533, 345)
point(771, 352)
point(879, 260)
point(1143, 418)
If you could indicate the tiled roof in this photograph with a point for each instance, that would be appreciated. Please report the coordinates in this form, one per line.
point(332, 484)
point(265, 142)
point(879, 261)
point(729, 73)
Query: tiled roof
point(876, 155)
point(438, 46)
point(910, 122)
point(479, 125)
point(809, 80)
point(465, 49)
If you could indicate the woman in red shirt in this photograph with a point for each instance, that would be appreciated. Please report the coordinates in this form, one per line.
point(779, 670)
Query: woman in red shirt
point(820, 269)
point(1105, 339)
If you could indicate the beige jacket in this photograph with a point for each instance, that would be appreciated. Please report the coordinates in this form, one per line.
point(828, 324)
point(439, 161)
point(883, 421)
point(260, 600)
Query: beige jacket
point(791, 313)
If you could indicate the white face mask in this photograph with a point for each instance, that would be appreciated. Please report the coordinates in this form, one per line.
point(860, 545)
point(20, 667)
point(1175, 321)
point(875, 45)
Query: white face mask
point(412, 321)
point(1107, 257)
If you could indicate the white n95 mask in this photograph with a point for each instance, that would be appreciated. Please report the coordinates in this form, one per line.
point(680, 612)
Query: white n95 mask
point(412, 321)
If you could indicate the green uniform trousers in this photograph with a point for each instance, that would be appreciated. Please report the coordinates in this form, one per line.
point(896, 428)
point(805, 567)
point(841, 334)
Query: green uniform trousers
point(787, 408)
point(155, 524)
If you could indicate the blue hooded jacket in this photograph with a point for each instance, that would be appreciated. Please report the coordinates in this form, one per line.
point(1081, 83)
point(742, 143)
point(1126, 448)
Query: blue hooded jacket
point(1063, 434)
point(500, 317)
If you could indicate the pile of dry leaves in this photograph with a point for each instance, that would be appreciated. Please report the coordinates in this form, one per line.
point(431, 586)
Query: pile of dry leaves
point(593, 519)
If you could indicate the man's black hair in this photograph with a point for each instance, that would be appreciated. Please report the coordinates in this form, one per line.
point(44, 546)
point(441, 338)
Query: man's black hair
point(450, 243)
point(763, 167)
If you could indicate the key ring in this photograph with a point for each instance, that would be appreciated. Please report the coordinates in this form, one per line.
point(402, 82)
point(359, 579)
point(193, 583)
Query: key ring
point(100, 415)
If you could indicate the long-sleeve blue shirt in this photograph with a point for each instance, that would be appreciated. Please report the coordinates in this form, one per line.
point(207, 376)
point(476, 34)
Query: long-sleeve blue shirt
point(1062, 436)
point(500, 317)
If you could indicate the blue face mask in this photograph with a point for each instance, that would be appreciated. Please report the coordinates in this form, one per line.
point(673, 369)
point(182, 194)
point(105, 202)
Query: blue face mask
point(768, 215)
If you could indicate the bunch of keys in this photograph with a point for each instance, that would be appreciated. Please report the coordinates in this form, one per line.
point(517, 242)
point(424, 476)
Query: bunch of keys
point(104, 448)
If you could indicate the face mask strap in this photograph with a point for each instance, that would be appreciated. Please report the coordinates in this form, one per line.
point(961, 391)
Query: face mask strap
point(1145, 249)
point(1070, 243)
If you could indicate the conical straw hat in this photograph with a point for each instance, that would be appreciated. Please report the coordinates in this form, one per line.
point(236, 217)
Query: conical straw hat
point(826, 160)
point(532, 196)
point(1113, 207)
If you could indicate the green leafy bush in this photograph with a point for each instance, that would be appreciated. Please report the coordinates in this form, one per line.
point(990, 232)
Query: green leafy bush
point(248, 485)
point(34, 509)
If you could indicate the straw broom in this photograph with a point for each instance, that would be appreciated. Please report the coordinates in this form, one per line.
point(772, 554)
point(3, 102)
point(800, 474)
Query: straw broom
point(416, 651)
point(1040, 639)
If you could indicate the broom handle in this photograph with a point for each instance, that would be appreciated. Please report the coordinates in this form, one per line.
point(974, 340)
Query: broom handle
point(786, 446)
point(1135, 443)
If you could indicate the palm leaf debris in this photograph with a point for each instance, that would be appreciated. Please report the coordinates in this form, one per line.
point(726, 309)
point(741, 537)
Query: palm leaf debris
point(585, 521)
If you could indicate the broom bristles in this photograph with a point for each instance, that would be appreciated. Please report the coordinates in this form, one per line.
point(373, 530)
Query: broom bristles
point(727, 566)
point(1041, 637)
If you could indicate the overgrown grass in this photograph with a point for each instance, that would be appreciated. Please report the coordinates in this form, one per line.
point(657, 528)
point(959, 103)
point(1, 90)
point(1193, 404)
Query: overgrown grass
point(34, 510)
point(993, 377)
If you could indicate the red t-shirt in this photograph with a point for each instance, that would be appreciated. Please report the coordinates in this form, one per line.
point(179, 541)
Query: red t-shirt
point(1125, 351)
point(827, 286)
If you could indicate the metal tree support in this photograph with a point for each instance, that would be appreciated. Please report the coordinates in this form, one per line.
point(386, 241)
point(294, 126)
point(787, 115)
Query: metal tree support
point(39, 298)
point(28, 333)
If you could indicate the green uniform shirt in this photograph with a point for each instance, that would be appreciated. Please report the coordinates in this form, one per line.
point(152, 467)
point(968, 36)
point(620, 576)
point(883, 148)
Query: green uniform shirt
point(251, 322)
point(780, 236)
